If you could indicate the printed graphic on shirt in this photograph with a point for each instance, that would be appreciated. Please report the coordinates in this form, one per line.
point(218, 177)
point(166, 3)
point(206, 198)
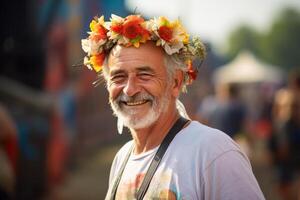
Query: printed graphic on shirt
point(161, 188)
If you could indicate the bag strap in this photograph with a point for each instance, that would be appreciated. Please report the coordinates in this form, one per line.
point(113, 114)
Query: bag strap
point(159, 155)
point(119, 176)
point(179, 124)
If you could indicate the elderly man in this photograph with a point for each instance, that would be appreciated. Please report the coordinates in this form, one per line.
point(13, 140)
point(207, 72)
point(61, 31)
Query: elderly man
point(146, 65)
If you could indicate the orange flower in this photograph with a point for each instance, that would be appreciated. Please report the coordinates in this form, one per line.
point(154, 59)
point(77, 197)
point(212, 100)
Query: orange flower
point(118, 28)
point(98, 30)
point(165, 33)
point(132, 27)
point(134, 18)
point(191, 72)
point(97, 61)
point(131, 30)
point(97, 37)
point(101, 31)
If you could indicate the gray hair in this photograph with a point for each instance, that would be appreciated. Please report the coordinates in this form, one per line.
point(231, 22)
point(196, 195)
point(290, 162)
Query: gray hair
point(173, 63)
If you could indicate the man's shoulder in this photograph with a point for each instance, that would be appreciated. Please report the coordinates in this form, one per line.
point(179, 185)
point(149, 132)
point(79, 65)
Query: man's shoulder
point(201, 133)
point(205, 140)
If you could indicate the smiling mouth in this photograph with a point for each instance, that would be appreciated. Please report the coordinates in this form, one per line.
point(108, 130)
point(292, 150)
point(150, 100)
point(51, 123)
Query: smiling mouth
point(136, 103)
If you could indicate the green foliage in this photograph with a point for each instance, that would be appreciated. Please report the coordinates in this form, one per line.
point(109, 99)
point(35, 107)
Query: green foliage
point(243, 38)
point(278, 46)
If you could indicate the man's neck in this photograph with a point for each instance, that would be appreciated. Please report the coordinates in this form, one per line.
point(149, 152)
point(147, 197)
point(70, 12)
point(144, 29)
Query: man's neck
point(150, 137)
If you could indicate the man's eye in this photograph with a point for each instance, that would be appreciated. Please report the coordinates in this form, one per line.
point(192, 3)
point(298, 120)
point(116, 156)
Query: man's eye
point(145, 75)
point(117, 78)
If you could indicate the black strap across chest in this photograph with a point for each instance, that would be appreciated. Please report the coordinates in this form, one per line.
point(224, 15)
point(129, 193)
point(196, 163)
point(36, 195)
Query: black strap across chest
point(179, 124)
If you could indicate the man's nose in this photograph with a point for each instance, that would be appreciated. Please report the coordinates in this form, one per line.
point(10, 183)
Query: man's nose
point(131, 88)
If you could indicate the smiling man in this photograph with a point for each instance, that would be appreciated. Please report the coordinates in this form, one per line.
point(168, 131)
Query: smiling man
point(146, 65)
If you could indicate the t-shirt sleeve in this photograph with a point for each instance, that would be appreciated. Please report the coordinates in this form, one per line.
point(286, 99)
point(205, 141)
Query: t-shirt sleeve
point(111, 176)
point(229, 177)
point(112, 170)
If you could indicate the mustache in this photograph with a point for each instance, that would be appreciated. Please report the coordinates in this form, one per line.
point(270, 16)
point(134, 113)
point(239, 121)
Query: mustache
point(143, 96)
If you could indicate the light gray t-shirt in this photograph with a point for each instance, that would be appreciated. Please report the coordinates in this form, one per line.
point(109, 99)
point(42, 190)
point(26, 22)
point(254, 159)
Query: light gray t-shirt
point(200, 163)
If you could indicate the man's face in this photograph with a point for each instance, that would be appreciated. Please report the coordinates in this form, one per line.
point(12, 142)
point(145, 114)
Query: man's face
point(137, 84)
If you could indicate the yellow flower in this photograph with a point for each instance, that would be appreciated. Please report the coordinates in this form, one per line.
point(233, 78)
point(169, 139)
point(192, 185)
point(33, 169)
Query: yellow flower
point(96, 21)
point(97, 61)
point(163, 21)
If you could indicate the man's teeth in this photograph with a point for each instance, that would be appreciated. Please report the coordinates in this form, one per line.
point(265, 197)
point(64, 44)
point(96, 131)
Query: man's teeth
point(135, 103)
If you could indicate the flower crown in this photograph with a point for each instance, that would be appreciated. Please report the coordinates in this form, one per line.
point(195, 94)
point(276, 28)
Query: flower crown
point(134, 30)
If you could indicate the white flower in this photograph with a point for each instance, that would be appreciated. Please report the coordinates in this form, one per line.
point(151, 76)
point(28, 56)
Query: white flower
point(117, 18)
point(86, 62)
point(112, 35)
point(179, 34)
point(92, 47)
point(173, 48)
point(151, 25)
point(107, 25)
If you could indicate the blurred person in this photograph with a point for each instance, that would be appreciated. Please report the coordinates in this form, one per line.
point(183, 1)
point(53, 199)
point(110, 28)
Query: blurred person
point(294, 82)
point(7, 176)
point(206, 109)
point(224, 111)
point(285, 140)
point(146, 65)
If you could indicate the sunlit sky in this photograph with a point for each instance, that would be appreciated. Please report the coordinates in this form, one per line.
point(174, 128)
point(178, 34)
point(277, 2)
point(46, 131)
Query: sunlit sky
point(213, 20)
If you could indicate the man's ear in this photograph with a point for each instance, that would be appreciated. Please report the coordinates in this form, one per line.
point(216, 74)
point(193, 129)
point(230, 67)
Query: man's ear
point(177, 83)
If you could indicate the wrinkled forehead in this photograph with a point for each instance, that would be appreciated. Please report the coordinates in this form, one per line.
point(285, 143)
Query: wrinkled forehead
point(147, 54)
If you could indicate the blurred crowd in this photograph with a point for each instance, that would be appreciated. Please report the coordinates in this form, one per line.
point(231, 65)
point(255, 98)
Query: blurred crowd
point(284, 142)
point(274, 120)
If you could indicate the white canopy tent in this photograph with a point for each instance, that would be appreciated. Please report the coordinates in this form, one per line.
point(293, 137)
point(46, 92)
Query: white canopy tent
point(246, 68)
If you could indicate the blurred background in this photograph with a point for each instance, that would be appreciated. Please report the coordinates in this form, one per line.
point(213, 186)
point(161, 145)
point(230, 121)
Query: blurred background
point(57, 133)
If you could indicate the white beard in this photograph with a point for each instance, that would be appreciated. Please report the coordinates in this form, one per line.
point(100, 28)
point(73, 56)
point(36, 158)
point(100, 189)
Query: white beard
point(127, 115)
